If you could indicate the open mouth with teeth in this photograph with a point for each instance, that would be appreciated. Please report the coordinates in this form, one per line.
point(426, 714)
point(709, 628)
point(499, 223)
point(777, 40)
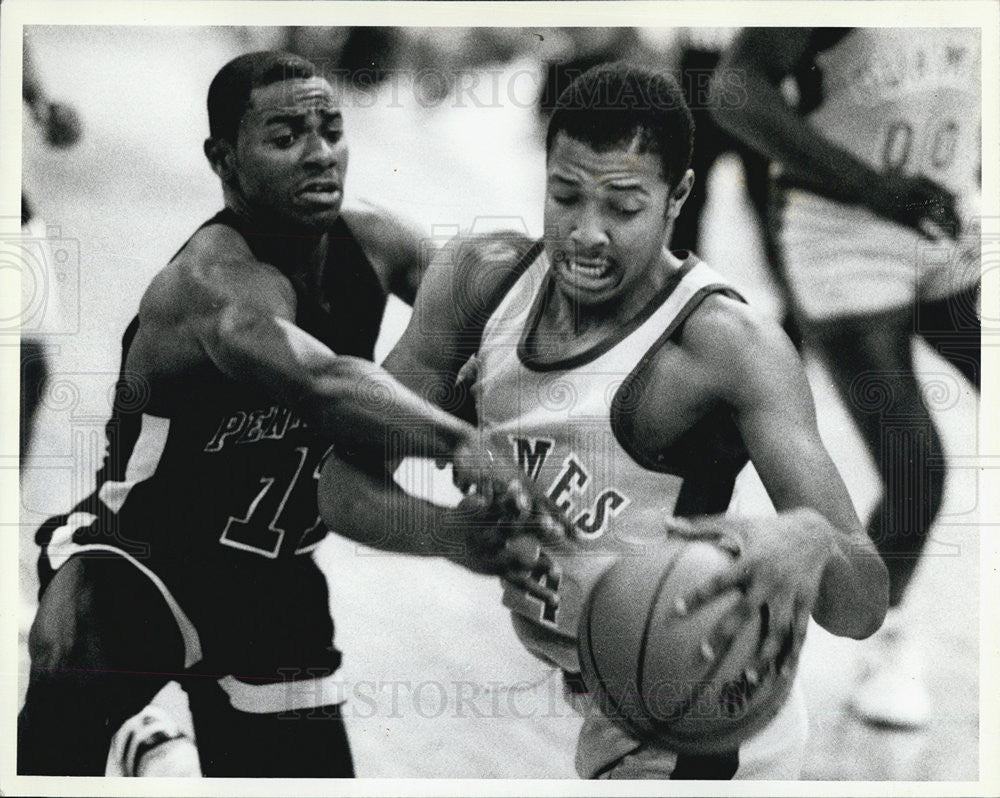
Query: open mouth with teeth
point(589, 274)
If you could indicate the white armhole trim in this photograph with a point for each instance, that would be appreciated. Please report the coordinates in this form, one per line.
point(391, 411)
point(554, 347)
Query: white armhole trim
point(142, 463)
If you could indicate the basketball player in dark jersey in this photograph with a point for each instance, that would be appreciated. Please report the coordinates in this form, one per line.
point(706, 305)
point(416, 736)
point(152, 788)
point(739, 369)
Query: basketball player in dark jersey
point(249, 359)
point(879, 161)
point(633, 384)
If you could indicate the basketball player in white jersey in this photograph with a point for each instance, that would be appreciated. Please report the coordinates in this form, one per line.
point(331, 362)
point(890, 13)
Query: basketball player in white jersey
point(879, 161)
point(631, 383)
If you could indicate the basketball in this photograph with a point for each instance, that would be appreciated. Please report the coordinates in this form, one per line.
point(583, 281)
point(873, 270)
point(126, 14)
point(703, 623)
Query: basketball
point(645, 666)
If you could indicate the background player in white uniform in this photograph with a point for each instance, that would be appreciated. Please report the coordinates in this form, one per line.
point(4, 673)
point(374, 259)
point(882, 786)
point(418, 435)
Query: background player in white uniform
point(879, 160)
point(628, 380)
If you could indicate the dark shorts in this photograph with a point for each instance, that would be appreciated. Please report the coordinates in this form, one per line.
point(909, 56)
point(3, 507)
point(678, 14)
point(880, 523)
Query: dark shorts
point(305, 743)
point(243, 726)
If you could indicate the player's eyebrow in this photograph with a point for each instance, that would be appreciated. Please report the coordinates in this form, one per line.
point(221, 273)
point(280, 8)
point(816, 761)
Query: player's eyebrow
point(571, 181)
point(626, 185)
point(293, 117)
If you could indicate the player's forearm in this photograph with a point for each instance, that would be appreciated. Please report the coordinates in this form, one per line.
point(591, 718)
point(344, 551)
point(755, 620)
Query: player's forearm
point(366, 505)
point(854, 589)
point(348, 399)
point(359, 499)
point(357, 400)
point(765, 122)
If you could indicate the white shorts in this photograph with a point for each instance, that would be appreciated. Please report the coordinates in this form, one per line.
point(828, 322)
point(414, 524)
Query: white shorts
point(605, 750)
point(843, 260)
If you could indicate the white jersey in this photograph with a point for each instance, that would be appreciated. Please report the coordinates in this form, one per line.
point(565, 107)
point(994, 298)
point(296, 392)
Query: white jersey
point(898, 99)
point(567, 425)
point(904, 99)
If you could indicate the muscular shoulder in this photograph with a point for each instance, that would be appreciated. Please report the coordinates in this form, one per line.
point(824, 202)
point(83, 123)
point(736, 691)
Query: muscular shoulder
point(470, 274)
point(735, 348)
point(378, 226)
point(486, 266)
point(395, 246)
point(215, 268)
point(465, 282)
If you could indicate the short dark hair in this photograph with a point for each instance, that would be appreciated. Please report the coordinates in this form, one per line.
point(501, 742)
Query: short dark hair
point(229, 94)
point(612, 105)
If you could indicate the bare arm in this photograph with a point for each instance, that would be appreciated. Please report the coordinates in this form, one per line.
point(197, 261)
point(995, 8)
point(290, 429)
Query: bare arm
point(396, 247)
point(461, 288)
point(237, 315)
point(762, 118)
point(758, 113)
point(441, 336)
point(776, 417)
point(361, 500)
point(814, 558)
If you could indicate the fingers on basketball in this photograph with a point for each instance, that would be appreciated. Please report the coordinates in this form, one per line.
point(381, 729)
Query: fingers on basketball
point(695, 682)
point(715, 585)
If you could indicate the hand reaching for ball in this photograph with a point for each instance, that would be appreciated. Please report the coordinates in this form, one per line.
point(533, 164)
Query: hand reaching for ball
point(505, 520)
point(778, 564)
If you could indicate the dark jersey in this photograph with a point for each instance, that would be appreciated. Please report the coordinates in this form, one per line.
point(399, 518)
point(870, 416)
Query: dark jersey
point(219, 500)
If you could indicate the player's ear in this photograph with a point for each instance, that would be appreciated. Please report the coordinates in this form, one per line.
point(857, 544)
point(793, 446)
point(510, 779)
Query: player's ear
point(679, 194)
point(221, 155)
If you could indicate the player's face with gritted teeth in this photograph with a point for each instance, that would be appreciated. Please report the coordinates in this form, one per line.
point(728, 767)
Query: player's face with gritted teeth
point(605, 221)
point(291, 154)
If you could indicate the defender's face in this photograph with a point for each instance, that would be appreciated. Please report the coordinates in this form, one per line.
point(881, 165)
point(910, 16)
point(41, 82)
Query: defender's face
point(605, 219)
point(291, 155)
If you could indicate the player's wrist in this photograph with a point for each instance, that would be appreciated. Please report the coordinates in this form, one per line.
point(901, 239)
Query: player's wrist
point(814, 536)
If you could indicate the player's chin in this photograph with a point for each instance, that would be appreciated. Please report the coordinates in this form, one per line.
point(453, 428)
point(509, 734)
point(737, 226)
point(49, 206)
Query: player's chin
point(591, 294)
point(314, 216)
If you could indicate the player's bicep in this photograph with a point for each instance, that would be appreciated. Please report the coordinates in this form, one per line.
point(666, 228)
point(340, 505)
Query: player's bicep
point(185, 310)
point(256, 346)
point(446, 325)
point(245, 321)
point(776, 416)
point(397, 247)
point(237, 317)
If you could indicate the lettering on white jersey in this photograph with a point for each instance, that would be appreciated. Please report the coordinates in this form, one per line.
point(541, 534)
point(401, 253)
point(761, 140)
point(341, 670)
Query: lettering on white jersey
point(572, 479)
point(592, 522)
point(531, 453)
point(888, 72)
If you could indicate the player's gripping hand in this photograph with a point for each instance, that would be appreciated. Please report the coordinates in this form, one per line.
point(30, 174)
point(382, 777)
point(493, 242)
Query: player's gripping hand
point(498, 546)
point(502, 491)
point(506, 520)
point(918, 203)
point(778, 563)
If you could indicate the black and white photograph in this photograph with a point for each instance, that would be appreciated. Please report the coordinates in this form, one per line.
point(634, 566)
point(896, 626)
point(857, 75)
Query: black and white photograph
point(496, 400)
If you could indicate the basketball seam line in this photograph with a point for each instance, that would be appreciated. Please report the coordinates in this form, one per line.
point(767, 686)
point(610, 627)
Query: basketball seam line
point(689, 702)
point(645, 632)
point(593, 660)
